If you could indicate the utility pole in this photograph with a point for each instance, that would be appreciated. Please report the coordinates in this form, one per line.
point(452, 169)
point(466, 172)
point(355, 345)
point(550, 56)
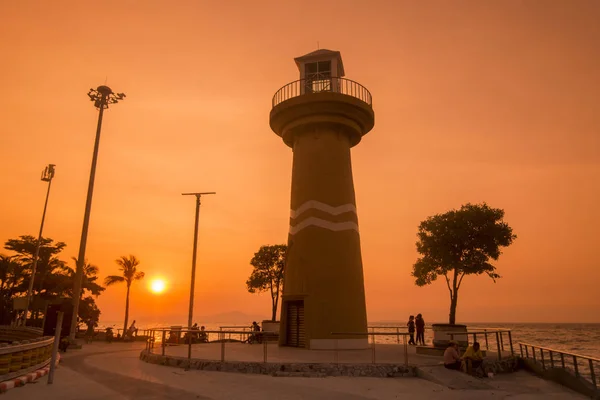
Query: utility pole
point(198, 196)
point(102, 97)
point(47, 176)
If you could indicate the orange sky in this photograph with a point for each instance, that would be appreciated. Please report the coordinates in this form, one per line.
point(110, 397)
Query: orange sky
point(474, 101)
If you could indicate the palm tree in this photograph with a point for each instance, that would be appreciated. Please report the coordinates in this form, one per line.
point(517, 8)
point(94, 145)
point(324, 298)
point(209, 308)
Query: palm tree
point(128, 267)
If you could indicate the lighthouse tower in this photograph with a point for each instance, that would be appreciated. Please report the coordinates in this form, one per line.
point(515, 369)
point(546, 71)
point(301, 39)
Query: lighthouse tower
point(321, 116)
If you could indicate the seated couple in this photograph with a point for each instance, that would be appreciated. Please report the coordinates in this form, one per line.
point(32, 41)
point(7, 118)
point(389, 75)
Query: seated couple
point(472, 358)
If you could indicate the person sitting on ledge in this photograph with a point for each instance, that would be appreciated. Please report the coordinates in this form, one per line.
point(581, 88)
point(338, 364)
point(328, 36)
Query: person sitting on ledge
point(451, 357)
point(473, 358)
point(256, 336)
point(203, 336)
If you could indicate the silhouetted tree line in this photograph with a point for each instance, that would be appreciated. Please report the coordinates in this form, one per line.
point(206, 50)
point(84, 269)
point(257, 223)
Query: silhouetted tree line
point(53, 280)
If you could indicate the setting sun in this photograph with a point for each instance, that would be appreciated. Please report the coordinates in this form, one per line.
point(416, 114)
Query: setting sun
point(157, 286)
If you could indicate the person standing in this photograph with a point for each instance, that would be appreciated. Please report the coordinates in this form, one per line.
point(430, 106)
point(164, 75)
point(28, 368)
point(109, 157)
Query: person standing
point(420, 324)
point(411, 329)
point(131, 331)
point(89, 333)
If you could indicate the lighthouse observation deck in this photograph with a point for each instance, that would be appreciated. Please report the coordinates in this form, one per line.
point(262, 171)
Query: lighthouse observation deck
point(308, 87)
point(319, 100)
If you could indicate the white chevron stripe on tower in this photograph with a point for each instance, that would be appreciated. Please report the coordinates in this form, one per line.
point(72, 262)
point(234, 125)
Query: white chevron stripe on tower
point(323, 207)
point(321, 223)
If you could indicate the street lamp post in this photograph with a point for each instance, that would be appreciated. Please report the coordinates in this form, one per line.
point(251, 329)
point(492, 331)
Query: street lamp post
point(102, 97)
point(47, 176)
point(198, 196)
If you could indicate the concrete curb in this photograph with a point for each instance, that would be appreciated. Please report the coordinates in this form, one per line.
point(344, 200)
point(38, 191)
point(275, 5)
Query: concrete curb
point(24, 379)
point(283, 369)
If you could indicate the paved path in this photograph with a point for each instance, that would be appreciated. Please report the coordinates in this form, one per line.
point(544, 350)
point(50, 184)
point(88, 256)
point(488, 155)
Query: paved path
point(103, 371)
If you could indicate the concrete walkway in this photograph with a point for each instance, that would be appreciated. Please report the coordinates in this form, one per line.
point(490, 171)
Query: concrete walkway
point(101, 371)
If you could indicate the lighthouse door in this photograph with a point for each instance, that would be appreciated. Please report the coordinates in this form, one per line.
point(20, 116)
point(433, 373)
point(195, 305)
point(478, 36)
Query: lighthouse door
point(295, 324)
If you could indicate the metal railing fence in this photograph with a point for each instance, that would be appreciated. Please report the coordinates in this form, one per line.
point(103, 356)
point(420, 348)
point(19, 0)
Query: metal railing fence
point(497, 334)
point(307, 87)
point(188, 337)
point(159, 339)
point(581, 366)
point(372, 343)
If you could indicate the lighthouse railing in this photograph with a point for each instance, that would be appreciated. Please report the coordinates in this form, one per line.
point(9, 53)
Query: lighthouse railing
point(307, 87)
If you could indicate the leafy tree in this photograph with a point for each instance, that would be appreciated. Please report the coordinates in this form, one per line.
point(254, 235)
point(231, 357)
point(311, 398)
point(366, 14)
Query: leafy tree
point(268, 263)
point(25, 247)
point(128, 267)
point(11, 278)
point(458, 243)
point(53, 278)
point(50, 272)
point(89, 313)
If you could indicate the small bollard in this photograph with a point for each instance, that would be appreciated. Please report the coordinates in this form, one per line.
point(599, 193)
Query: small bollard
point(189, 348)
point(57, 330)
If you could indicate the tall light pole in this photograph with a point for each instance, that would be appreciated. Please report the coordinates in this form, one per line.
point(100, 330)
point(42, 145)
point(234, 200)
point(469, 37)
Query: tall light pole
point(47, 176)
point(102, 97)
point(191, 310)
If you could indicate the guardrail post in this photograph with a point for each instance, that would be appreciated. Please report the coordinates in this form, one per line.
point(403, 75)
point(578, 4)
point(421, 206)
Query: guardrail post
point(527, 353)
point(498, 346)
point(57, 330)
point(521, 348)
point(542, 358)
point(405, 342)
point(562, 360)
point(576, 366)
point(487, 345)
point(501, 341)
point(373, 351)
point(533, 351)
point(223, 351)
point(164, 343)
point(264, 350)
point(398, 335)
point(593, 374)
point(512, 351)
